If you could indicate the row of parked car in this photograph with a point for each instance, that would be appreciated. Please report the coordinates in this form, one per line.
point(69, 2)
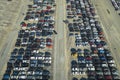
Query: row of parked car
point(95, 62)
point(96, 65)
point(27, 37)
point(43, 16)
point(28, 61)
point(43, 29)
point(86, 24)
point(116, 4)
point(24, 64)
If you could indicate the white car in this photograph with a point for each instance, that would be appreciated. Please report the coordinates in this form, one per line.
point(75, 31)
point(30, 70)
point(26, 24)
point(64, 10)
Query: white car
point(78, 37)
point(104, 65)
point(22, 72)
point(111, 61)
point(13, 77)
point(41, 58)
point(25, 61)
point(112, 65)
point(115, 73)
point(29, 72)
point(91, 68)
point(22, 77)
point(83, 73)
point(89, 65)
point(76, 73)
point(33, 58)
point(73, 73)
point(16, 68)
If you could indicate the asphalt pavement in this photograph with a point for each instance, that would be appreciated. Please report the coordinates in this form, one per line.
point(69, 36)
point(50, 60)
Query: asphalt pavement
point(111, 26)
point(60, 55)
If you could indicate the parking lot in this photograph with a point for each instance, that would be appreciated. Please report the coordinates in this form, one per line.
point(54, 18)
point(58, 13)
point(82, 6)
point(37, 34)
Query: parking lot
point(66, 42)
point(32, 56)
point(111, 20)
point(90, 57)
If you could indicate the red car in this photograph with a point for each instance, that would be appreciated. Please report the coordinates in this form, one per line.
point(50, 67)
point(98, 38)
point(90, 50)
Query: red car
point(49, 42)
point(108, 77)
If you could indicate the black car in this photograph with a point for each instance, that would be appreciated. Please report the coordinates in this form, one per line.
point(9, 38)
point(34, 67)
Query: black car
point(74, 78)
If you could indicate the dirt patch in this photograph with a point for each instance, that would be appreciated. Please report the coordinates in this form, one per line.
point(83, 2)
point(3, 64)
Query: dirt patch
point(8, 12)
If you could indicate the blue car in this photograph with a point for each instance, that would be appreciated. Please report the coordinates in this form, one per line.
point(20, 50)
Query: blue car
point(6, 77)
point(103, 58)
point(80, 58)
point(101, 51)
